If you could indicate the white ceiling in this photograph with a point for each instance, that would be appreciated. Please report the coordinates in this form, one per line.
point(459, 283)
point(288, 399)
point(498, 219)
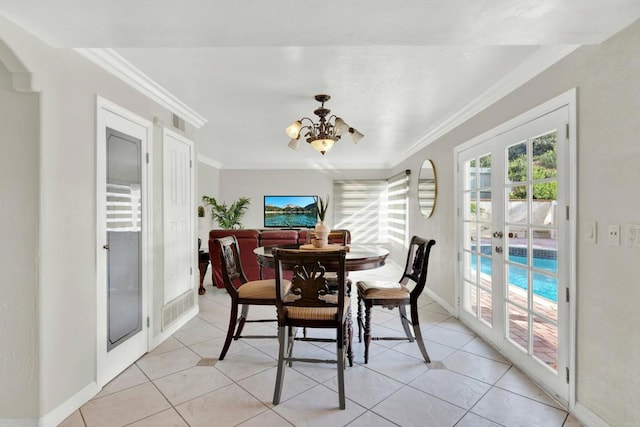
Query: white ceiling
point(399, 71)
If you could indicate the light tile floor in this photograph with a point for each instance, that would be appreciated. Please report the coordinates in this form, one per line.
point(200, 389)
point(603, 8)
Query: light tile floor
point(468, 383)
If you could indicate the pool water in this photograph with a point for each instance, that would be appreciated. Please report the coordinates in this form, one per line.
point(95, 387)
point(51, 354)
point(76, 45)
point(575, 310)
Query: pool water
point(543, 285)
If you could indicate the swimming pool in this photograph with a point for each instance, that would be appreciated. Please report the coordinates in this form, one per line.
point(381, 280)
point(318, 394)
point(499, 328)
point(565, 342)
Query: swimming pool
point(544, 285)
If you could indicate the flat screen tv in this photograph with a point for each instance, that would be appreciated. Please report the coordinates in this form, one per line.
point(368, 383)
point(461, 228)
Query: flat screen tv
point(290, 211)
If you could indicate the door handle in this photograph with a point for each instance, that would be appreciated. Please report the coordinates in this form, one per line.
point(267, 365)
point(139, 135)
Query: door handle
point(106, 247)
point(499, 249)
point(497, 234)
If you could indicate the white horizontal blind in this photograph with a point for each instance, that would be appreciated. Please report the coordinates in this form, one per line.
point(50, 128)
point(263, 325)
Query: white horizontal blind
point(398, 206)
point(360, 206)
point(373, 210)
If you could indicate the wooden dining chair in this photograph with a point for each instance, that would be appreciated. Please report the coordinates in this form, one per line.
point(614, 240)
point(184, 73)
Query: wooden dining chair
point(307, 302)
point(397, 295)
point(242, 291)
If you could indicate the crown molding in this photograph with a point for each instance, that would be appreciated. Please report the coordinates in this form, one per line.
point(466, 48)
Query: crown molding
point(538, 62)
point(111, 61)
point(209, 161)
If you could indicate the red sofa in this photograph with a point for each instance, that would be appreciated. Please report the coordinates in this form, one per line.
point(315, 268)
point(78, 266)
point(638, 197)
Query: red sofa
point(248, 240)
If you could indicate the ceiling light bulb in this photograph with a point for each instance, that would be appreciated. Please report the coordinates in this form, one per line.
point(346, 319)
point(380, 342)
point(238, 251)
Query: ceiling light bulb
point(294, 129)
point(322, 145)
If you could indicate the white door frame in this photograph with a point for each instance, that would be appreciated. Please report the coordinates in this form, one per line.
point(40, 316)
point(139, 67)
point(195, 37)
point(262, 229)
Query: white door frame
point(111, 115)
point(568, 99)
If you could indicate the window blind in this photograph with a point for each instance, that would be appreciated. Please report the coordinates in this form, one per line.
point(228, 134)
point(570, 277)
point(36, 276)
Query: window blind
point(373, 210)
point(398, 207)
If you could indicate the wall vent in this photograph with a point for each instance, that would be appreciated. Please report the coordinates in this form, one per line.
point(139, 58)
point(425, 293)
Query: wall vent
point(176, 308)
point(178, 122)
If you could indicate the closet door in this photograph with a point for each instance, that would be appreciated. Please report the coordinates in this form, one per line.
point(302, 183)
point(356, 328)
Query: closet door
point(179, 215)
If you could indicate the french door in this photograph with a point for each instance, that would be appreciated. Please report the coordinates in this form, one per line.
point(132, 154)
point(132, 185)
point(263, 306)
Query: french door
point(514, 242)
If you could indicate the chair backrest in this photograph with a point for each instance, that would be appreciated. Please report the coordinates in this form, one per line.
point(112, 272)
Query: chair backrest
point(232, 274)
point(339, 237)
point(417, 264)
point(336, 237)
point(309, 285)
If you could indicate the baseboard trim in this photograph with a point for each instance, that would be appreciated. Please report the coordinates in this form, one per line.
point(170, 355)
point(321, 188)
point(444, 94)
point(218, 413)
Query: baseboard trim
point(18, 422)
point(439, 300)
point(173, 328)
point(587, 417)
point(69, 406)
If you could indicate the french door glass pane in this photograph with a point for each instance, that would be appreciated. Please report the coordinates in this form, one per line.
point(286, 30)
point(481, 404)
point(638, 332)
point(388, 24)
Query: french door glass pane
point(545, 307)
point(471, 303)
point(484, 171)
point(545, 341)
point(471, 203)
point(469, 179)
point(486, 306)
point(518, 326)
point(545, 154)
point(518, 285)
point(470, 267)
point(517, 157)
point(470, 235)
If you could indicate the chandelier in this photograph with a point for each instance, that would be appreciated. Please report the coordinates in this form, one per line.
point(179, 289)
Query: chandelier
point(324, 134)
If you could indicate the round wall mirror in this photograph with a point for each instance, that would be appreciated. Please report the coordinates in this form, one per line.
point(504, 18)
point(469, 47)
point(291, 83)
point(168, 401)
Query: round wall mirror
point(427, 188)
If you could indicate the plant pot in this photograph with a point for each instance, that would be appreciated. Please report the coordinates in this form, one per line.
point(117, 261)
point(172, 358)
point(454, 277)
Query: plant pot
point(322, 235)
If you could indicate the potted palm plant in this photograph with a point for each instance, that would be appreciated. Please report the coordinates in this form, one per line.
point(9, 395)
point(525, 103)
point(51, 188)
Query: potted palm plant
point(322, 229)
point(228, 218)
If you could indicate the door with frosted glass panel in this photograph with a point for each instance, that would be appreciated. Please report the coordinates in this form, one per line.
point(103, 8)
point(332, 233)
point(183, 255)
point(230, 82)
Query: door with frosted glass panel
point(122, 272)
point(514, 240)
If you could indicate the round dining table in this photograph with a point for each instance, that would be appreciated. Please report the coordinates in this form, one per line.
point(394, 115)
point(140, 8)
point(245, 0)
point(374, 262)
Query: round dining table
point(358, 257)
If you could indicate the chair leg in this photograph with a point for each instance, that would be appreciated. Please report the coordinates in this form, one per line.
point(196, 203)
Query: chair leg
point(405, 322)
point(367, 331)
point(341, 365)
point(290, 341)
point(230, 331)
point(349, 338)
point(243, 319)
point(280, 374)
point(360, 321)
point(418, 333)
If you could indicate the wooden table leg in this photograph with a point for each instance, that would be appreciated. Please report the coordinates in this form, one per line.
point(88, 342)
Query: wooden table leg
point(202, 266)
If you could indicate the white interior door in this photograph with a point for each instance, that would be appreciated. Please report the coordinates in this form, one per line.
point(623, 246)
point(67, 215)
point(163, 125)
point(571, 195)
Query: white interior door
point(514, 244)
point(179, 214)
point(122, 142)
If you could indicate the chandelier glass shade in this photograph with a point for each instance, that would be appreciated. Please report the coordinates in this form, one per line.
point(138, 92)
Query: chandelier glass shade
point(324, 133)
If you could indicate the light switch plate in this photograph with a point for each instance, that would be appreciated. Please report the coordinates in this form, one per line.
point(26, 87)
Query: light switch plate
point(614, 235)
point(590, 231)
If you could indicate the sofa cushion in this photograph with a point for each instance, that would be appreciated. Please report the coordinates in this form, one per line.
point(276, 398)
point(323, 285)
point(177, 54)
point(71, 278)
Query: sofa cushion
point(278, 237)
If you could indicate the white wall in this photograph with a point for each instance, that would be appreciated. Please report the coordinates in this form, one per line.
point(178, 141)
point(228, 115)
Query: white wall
point(65, 256)
point(19, 207)
point(608, 344)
